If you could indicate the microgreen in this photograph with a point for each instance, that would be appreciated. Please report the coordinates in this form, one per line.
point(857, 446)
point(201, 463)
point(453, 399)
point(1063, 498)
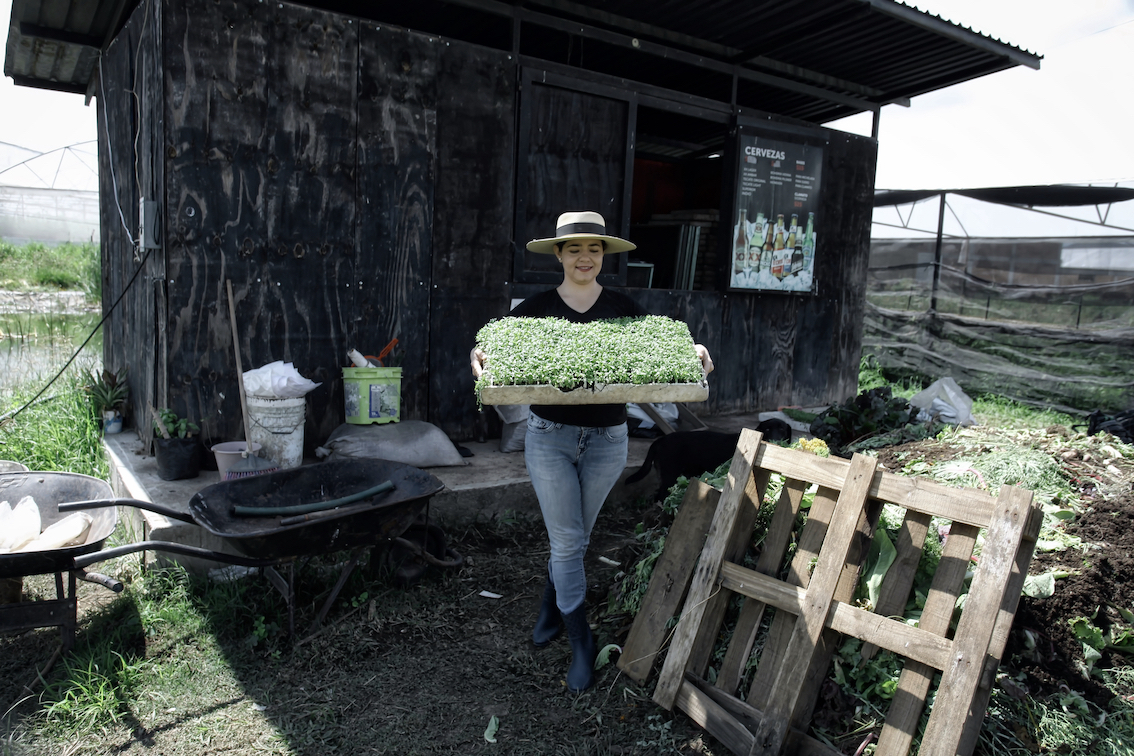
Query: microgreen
point(556, 352)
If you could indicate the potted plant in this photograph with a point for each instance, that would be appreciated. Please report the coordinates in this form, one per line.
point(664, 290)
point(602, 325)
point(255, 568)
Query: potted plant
point(108, 392)
point(176, 449)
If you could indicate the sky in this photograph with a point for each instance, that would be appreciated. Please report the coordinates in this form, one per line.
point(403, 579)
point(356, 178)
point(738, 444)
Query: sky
point(1069, 122)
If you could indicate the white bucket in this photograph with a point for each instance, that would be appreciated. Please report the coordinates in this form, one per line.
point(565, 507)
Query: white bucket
point(277, 425)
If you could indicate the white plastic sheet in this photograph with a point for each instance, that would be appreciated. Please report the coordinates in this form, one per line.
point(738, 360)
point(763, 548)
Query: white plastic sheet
point(277, 380)
point(946, 401)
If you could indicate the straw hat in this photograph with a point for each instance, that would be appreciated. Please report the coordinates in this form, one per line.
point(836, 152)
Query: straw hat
point(586, 225)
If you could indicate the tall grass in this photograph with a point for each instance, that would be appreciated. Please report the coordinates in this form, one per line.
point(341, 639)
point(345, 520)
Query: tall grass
point(68, 266)
point(58, 432)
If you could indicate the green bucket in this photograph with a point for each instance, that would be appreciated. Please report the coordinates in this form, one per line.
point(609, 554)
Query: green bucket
point(372, 395)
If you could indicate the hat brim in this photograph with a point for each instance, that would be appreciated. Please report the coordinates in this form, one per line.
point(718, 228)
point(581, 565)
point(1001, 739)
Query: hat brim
point(614, 244)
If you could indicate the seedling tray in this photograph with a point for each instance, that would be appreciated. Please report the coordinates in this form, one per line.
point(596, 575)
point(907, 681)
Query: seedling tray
point(610, 393)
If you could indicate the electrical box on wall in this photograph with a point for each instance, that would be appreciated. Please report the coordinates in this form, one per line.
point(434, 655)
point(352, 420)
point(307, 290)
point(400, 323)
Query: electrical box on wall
point(149, 224)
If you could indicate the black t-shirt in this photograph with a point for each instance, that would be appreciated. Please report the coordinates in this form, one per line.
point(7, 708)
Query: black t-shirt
point(610, 304)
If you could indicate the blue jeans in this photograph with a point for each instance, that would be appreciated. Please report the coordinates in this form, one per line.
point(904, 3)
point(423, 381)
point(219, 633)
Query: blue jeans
point(572, 470)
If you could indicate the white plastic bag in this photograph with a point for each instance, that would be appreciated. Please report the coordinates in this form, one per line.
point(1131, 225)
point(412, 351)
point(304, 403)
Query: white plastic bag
point(277, 380)
point(945, 401)
point(668, 412)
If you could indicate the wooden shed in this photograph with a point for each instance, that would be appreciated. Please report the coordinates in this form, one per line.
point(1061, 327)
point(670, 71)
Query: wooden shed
point(369, 171)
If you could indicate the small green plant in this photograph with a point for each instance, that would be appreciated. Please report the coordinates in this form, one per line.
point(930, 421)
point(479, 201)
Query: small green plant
point(108, 390)
point(178, 427)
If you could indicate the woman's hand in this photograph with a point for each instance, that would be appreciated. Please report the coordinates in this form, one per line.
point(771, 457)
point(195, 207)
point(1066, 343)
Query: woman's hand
point(476, 359)
point(706, 360)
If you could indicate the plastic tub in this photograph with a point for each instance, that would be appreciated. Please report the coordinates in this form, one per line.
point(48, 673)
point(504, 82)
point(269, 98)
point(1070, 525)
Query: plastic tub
point(229, 453)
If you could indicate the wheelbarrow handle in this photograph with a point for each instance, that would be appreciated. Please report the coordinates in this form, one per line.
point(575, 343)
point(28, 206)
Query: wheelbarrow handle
point(173, 548)
point(104, 580)
point(161, 509)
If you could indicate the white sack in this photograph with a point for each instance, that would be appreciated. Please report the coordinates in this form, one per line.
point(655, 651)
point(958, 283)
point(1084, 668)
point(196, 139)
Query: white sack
point(23, 525)
point(70, 531)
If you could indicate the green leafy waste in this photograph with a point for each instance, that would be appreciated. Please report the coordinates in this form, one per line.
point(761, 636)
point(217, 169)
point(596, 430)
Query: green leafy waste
point(568, 356)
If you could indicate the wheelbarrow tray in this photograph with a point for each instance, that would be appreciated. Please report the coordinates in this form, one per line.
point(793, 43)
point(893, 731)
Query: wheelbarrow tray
point(50, 489)
point(386, 515)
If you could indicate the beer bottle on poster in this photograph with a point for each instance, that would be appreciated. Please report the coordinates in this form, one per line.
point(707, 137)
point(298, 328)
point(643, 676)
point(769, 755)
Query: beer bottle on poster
point(793, 231)
point(778, 249)
point(755, 244)
point(809, 241)
point(797, 255)
point(767, 252)
point(740, 246)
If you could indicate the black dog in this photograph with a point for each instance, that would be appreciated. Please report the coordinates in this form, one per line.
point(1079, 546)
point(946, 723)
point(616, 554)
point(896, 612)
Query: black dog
point(691, 453)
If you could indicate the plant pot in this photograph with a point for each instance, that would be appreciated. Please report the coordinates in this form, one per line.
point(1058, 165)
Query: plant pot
point(177, 458)
point(111, 422)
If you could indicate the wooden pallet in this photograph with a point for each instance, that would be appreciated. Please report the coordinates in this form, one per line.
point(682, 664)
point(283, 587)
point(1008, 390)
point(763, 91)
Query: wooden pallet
point(813, 606)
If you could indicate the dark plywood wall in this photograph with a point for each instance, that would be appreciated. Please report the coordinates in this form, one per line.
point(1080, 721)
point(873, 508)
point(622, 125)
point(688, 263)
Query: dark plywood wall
point(472, 222)
point(129, 114)
point(358, 182)
point(397, 145)
point(261, 190)
point(572, 155)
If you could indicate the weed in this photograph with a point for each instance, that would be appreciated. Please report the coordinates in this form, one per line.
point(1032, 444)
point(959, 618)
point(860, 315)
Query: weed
point(65, 266)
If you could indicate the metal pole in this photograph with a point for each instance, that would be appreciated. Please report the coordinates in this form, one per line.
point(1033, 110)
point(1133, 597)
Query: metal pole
point(937, 256)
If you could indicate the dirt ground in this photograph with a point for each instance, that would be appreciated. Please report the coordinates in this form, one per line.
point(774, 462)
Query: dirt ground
point(422, 670)
point(409, 671)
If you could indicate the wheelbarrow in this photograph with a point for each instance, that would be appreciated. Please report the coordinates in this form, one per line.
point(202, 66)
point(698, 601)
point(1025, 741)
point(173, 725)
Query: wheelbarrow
point(50, 491)
point(276, 518)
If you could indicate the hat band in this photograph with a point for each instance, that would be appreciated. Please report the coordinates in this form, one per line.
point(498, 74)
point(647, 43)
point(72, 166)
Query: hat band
point(581, 228)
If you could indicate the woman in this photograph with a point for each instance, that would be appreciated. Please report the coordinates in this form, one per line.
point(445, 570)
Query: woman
point(575, 454)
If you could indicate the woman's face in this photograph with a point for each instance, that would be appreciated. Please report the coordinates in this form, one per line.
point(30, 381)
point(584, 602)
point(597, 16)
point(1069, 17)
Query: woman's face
point(581, 258)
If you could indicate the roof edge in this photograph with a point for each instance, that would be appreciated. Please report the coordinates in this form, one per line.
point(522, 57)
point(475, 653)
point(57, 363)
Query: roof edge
point(963, 34)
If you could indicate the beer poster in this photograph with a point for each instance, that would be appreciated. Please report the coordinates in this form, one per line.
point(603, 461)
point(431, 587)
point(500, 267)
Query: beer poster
point(774, 238)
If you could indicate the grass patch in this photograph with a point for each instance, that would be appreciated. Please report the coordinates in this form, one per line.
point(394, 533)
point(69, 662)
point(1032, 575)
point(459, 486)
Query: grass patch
point(66, 266)
point(1000, 412)
point(58, 433)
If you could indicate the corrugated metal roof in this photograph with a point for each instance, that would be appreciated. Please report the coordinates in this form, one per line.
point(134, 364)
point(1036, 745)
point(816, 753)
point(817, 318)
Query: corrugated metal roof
point(815, 60)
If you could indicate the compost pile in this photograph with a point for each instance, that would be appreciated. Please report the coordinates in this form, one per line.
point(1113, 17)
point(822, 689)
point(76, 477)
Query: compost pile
point(1059, 642)
point(1075, 623)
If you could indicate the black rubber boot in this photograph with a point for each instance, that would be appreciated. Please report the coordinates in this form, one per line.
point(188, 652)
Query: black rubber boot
point(547, 625)
point(581, 673)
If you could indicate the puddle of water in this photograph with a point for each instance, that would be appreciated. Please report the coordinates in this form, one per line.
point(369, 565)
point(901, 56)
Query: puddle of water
point(33, 347)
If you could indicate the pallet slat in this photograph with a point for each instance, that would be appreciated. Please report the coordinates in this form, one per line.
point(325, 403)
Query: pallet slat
point(705, 576)
point(669, 580)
